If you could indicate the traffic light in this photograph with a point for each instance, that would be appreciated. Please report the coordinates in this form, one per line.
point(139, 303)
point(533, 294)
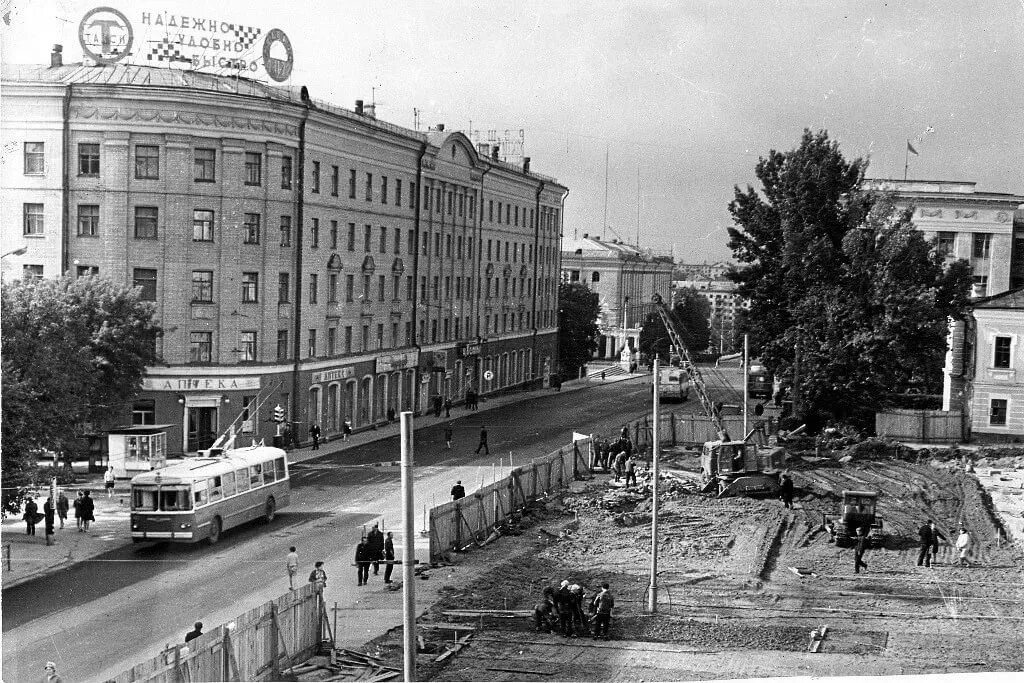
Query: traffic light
point(278, 413)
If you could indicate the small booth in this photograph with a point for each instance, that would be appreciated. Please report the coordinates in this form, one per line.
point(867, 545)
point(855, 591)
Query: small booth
point(136, 449)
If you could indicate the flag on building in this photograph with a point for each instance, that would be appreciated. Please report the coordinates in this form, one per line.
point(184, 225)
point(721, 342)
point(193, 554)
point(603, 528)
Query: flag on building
point(910, 148)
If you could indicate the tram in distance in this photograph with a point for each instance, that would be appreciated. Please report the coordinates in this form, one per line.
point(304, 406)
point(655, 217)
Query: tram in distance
point(201, 497)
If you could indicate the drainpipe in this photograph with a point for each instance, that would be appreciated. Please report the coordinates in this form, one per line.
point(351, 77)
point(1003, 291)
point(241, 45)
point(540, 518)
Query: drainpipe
point(65, 190)
point(558, 266)
point(416, 269)
point(299, 231)
point(536, 263)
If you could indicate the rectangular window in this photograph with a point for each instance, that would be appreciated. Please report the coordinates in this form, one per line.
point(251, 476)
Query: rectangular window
point(86, 271)
point(423, 287)
point(332, 288)
point(488, 250)
point(433, 330)
point(202, 285)
point(352, 183)
point(250, 288)
point(202, 225)
point(448, 246)
point(438, 201)
point(247, 346)
point(395, 287)
point(144, 412)
point(286, 231)
point(437, 244)
point(472, 205)
point(500, 205)
point(369, 187)
point(335, 180)
point(366, 288)
point(145, 222)
point(508, 213)
point(380, 335)
point(147, 162)
point(314, 286)
point(349, 286)
point(408, 334)
point(980, 285)
point(200, 347)
point(283, 288)
point(398, 194)
point(1001, 356)
point(383, 240)
point(282, 344)
point(458, 247)
point(311, 351)
point(88, 220)
point(398, 240)
point(410, 246)
point(381, 283)
point(367, 237)
point(334, 235)
point(437, 287)
point(351, 236)
point(253, 168)
point(409, 287)
point(332, 341)
point(316, 178)
point(412, 195)
point(89, 159)
point(447, 329)
point(286, 173)
point(348, 339)
point(427, 194)
point(945, 243)
point(490, 209)
point(34, 158)
point(204, 165)
point(394, 335)
point(31, 272)
point(997, 411)
point(314, 233)
point(251, 229)
point(447, 287)
point(383, 189)
point(982, 245)
point(365, 341)
point(145, 278)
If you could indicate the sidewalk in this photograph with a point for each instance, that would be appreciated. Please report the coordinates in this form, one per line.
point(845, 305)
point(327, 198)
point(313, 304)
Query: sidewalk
point(31, 558)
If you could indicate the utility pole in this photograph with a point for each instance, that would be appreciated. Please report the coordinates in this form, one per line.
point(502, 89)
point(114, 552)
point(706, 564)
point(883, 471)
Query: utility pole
point(652, 595)
point(746, 379)
point(408, 548)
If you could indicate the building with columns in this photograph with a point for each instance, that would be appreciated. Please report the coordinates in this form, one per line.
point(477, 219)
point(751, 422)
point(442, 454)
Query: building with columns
point(344, 266)
point(625, 277)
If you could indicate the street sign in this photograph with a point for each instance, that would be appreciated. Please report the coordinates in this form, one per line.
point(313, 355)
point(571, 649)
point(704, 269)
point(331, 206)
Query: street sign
point(488, 375)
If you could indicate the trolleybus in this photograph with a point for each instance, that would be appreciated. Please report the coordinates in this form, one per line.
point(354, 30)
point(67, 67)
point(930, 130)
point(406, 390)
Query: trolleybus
point(673, 384)
point(201, 497)
point(759, 381)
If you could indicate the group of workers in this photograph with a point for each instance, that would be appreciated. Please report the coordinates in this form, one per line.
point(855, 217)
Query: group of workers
point(564, 610)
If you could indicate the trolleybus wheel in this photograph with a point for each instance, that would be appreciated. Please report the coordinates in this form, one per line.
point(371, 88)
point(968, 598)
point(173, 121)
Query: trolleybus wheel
point(214, 530)
point(271, 510)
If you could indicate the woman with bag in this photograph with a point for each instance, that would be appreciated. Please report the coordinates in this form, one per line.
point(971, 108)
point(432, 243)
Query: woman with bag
point(318, 577)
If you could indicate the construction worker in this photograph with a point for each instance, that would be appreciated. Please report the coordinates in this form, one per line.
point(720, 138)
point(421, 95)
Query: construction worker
point(630, 471)
point(929, 536)
point(963, 545)
point(602, 607)
point(545, 612)
point(858, 550)
point(563, 601)
point(786, 491)
point(579, 618)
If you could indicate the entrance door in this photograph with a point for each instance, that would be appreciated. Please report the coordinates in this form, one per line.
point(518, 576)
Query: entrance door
point(202, 427)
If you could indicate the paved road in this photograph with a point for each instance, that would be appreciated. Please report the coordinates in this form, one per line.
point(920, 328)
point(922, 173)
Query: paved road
point(102, 615)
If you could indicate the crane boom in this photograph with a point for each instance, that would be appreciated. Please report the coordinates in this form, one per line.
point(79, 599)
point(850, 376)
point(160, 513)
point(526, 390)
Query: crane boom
point(696, 379)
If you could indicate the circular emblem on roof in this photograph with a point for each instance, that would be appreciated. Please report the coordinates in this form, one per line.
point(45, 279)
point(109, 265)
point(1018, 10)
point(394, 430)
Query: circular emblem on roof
point(277, 68)
point(105, 35)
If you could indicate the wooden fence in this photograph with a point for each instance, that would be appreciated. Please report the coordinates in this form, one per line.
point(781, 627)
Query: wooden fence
point(460, 522)
point(922, 426)
point(261, 642)
point(693, 430)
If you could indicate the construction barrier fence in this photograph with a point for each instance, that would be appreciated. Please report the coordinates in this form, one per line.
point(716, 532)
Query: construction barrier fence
point(921, 426)
point(255, 647)
point(458, 523)
point(687, 429)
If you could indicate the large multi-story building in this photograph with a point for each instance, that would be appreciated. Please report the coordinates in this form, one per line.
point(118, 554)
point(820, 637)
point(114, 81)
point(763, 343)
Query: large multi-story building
point(723, 305)
point(971, 225)
point(625, 277)
point(343, 265)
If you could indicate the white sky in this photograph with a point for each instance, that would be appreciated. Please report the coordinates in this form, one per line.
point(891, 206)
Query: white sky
point(688, 92)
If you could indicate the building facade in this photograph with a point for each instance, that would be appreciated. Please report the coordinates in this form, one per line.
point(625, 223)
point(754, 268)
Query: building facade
point(624, 277)
point(341, 265)
point(723, 305)
point(967, 224)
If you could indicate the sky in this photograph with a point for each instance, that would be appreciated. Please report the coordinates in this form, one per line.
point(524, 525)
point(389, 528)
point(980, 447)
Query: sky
point(650, 112)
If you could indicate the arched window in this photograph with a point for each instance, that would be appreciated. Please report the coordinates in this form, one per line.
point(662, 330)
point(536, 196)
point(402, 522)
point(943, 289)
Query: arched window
point(596, 277)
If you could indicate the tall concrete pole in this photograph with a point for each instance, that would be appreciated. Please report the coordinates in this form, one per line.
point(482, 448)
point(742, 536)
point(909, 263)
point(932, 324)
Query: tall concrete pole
point(408, 548)
point(652, 595)
point(746, 378)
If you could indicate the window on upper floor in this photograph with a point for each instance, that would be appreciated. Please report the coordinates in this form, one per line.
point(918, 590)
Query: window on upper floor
point(147, 162)
point(982, 245)
point(334, 181)
point(35, 159)
point(200, 346)
point(369, 187)
point(351, 236)
point(334, 234)
point(980, 285)
point(250, 288)
point(204, 165)
point(314, 233)
point(398, 193)
point(283, 288)
point(251, 229)
point(282, 344)
point(202, 286)
point(202, 225)
point(146, 222)
point(997, 411)
point(253, 168)
point(383, 189)
point(1001, 352)
point(286, 173)
point(286, 231)
point(31, 272)
point(88, 159)
point(945, 243)
point(247, 346)
point(352, 183)
point(145, 279)
point(32, 219)
point(88, 220)
point(314, 288)
point(595, 276)
point(316, 178)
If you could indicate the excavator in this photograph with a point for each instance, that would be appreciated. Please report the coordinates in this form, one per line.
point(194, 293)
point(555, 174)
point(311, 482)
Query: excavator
point(728, 467)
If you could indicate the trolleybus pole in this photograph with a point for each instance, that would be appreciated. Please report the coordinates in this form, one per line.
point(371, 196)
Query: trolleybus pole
point(408, 548)
point(652, 596)
point(746, 379)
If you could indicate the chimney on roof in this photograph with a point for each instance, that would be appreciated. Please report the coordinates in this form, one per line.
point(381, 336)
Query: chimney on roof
point(494, 151)
point(440, 128)
point(359, 107)
point(526, 164)
point(56, 59)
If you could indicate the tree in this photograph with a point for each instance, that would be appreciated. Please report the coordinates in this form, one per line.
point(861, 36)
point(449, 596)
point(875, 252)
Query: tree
point(840, 281)
point(691, 312)
point(74, 351)
point(578, 309)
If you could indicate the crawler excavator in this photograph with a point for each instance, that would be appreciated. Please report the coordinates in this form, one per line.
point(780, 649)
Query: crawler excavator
point(728, 467)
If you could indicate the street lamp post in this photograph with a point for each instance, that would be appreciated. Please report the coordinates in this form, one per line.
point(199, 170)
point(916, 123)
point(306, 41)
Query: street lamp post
point(14, 252)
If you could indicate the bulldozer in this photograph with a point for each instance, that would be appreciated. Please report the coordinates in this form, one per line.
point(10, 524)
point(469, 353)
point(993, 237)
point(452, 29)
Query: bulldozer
point(734, 468)
point(858, 511)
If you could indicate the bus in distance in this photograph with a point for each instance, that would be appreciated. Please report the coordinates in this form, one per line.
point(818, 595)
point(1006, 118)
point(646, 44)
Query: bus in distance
point(759, 381)
point(201, 497)
point(673, 384)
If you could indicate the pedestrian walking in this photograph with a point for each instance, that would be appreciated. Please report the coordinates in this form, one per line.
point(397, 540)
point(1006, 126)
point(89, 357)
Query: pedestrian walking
point(62, 508)
point(88, 508)
point(448, 432)
point(391, 415)
point(362, 563)
point(293, 567)
point(619, 464)
point(375, 544)
point(929, 543)
point(49, 513)
point(448, 407)
point(602, 375)
point(31, 517)
point(438, 405)
point(314, 433)
point(51, 673)
point(602, 608)
point(483, 441)
point(630, 471)
point(346, 430)
point(197, 630)
point(389, 558)
point(786, 491)
point(859, 548)
point(318, 577)
point(78, 510)
point(964, 542)
point(458, 491)
point(108, 481)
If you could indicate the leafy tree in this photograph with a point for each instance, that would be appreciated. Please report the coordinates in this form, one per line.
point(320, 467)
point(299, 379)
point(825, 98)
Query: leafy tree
point(74, 350)
point(578, 309)
point(838, 277)
point(691, 312)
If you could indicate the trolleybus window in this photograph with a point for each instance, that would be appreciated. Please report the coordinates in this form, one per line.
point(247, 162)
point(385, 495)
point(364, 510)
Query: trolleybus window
point(216, 488)
point(256, 475)
point(201, 493)
point(143, 498)
point(242, 479)
point(173, 499)
point(229, 484)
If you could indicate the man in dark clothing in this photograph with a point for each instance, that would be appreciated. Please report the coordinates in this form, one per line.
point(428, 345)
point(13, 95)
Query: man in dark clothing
point(49, 514)
point(62, 508)
point(362, 563)
point(625, 431)
point(929, 536)
point(602, 607)
point(483, 441)
point(31, 513)
point(858, 550)
point(438, 403)
point(786, 491)
point(563, 601)
point(458, 491)
point(88, 506)
point(389, 557)
point(375, 545)
point(448, 432)
point(630, 471)
point(195, 632)
point(545, 613)
point(391, 415)
point(448, 407)
point(314, 433)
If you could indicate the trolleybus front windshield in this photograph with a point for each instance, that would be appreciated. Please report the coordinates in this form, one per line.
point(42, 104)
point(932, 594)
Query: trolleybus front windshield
point(169, 498)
